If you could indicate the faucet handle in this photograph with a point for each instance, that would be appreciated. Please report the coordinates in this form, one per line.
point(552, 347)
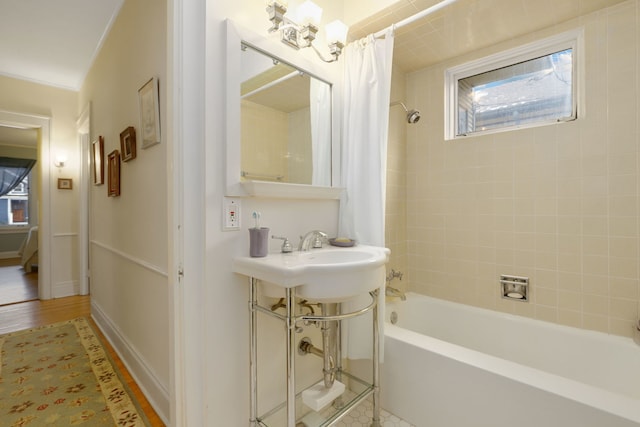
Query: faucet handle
point(286, 245)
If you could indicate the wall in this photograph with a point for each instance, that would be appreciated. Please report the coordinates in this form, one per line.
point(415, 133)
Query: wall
point(558, 204)
point(23, 97)
point(128, 234)
point(225, 381)
point(396, 203)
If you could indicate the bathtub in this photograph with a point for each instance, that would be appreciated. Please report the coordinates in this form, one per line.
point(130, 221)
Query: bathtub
point(452, 365)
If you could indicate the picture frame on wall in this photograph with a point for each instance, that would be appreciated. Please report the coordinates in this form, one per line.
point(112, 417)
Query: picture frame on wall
point(128, 144)
point(65, 184)
point(97, 148)
point(114, 174)
point(149, 108)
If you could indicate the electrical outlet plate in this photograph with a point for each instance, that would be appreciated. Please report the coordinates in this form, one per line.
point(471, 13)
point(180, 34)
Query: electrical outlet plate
point(231, 213)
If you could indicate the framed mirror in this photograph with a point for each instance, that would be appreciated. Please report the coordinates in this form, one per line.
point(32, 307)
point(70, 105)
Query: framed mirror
point(281, 134)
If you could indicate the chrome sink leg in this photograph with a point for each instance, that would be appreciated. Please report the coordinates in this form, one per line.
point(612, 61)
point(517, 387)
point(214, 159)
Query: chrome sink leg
point(290, 295)
point(253, 352)
point(329, 337)
point(375, 422)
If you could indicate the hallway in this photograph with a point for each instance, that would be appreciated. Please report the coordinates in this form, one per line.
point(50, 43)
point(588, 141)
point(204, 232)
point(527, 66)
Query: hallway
point(31, 314)
point(15, 284)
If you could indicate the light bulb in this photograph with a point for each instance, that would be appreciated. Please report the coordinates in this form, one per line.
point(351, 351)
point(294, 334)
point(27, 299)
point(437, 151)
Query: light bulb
point(309, 13)
point(336, 32)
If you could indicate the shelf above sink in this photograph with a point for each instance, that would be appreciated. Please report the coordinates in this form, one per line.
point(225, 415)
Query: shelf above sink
point(330, 274)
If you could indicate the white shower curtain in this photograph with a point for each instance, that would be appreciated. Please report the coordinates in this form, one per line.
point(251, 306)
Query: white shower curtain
point(367, 89)
point(320, 96)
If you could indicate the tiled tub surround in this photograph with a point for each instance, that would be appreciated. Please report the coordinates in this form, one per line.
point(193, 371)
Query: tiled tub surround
point(449, 364)
point(558, 204)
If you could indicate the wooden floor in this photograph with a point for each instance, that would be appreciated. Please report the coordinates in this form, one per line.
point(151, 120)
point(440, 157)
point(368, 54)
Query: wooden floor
point(31, 314)
point(16, 285)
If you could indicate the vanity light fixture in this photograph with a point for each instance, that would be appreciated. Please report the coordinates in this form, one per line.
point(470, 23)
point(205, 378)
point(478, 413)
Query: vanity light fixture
point(276, 10)
point(301, 34)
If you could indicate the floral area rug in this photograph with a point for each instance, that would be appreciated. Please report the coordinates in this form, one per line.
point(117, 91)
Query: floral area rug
point(61, 375)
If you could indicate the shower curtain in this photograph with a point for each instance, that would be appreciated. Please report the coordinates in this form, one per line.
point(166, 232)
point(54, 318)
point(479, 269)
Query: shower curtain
point(367, 89)
point(320, 96)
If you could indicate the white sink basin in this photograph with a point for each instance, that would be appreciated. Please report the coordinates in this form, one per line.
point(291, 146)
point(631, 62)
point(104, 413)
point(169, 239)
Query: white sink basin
point(330, 274)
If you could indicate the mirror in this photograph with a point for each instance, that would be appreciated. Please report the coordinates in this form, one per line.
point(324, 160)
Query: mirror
point(281, 138)
point(285, 125)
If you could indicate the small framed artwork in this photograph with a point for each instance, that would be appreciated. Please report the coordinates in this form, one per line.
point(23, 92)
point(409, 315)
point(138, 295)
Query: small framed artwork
point(149, 113)
point(114, 174)
point(128, 144)
point(97, 148)
point(65, 183)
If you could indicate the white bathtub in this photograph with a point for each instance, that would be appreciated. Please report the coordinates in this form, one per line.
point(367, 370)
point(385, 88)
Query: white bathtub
point(451, 365)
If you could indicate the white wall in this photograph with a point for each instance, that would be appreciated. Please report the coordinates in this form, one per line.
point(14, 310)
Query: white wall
point(128, 234)
point(225, 293)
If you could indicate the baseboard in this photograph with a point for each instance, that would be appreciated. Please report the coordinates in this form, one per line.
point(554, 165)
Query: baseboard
point(65, 289)
point(155, 392)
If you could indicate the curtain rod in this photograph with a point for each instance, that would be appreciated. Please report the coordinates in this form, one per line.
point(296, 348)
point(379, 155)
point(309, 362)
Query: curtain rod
point(411, 19)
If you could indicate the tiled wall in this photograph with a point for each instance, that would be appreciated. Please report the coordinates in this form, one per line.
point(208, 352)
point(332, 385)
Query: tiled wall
point(558, 204)
point(396, 200)
point(264, 141)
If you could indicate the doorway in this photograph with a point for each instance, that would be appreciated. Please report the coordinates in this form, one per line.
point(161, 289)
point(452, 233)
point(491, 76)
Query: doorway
point(16, 284)
point(19, 216)
point(42, 211)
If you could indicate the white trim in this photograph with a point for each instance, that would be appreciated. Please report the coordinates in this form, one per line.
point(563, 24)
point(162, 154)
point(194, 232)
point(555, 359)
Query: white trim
point(65, 235)
point(65, 289)
point(84, 144)
point(290, 191)
point(138, 261)
point(151, 386)
point(570, 39)
point(186, 111)
point(329, 73)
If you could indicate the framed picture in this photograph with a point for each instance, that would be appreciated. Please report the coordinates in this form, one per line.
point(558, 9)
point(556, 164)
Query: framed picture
point(97, 148)
point(149, 113)
point(128, 144)
point(65, 183)
point(114, 174)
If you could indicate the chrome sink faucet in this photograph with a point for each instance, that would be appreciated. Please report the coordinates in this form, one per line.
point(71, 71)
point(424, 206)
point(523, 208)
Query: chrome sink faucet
point(312, 239)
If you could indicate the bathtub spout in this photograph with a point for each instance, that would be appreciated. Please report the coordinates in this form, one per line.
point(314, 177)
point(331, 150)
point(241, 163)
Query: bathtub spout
point(394, 292)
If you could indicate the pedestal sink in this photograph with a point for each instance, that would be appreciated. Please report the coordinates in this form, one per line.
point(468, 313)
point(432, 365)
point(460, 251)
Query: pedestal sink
point(327, 276)
point(332, 274)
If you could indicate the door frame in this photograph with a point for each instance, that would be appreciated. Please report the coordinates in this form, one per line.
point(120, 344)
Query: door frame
point(84, 147)
point(43, 123)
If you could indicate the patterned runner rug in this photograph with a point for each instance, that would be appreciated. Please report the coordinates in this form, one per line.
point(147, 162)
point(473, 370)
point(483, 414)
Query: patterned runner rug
point(61, 375)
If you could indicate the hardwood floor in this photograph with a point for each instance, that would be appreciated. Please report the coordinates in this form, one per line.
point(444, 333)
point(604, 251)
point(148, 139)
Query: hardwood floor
point(15, 284)
point(31, 314)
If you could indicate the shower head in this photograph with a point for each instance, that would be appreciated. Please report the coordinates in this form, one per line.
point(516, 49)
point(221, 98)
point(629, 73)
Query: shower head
point(413, 116)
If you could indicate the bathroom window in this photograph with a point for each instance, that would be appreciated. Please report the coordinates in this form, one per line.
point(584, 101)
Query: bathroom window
point(528, 86)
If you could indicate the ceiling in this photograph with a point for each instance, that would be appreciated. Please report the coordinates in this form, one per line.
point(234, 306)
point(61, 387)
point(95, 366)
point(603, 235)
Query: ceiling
point(55, 42)
point(52, 43)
